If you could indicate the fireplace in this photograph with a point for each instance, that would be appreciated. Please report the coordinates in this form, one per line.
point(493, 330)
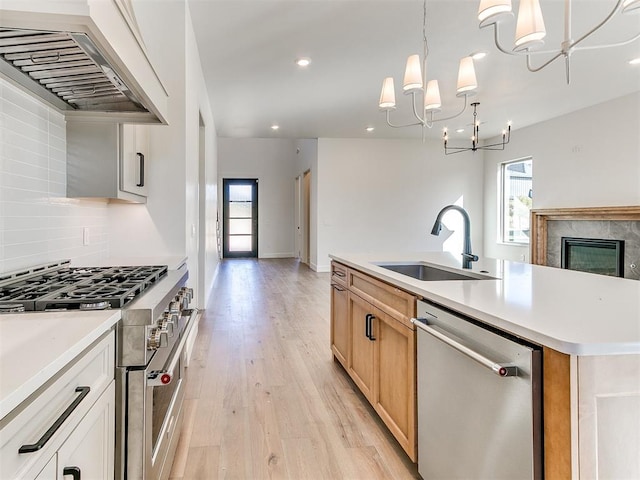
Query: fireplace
point(602, 256)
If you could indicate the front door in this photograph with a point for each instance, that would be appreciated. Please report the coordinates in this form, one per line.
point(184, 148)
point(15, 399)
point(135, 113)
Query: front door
point(240, 217)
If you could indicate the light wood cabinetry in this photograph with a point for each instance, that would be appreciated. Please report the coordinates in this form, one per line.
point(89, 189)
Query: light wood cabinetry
point(107, 160)
point(340, 335)
point(361, 362)
point(70, 423)
point(377, 347)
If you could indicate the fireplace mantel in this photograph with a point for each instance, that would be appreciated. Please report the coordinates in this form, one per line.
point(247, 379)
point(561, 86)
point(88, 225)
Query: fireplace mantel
point(540, 217)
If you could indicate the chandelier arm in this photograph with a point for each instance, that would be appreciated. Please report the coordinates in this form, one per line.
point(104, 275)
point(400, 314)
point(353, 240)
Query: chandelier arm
point(434, 120)
point(496, 39)
point(619, 44)
point(531, 68)
point(489, 147)
point(415, 110)
point(400, 126)
point(456, 150)
point(597, 27)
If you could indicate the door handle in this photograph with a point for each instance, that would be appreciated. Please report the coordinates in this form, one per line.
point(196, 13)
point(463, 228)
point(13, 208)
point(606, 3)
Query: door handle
point(366, 326)
point(371, 337)
point(84, 391)
point(141, 159)
point(73, 471)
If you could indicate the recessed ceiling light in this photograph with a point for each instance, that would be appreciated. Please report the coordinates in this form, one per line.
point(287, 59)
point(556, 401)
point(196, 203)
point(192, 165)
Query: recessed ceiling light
point(478, 55)
point(635, 61)
point(370, 129)
point(275, 127)
point(460, 130)
point(303, 62)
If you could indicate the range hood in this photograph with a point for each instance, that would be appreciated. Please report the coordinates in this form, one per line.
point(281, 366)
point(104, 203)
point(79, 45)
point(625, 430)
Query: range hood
point(66, 69)
point(86, 58)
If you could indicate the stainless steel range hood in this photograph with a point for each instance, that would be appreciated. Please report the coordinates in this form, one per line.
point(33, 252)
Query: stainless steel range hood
point(87, 58)
point(67, 69)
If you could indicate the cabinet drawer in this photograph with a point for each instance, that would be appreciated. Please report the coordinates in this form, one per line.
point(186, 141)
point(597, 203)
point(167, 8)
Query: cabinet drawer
point(339, 274)
point(387, 298)
point(94, 368)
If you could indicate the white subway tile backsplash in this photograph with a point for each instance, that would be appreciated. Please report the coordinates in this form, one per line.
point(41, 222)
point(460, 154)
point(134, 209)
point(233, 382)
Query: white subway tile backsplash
point(21, 182)
point(16, 114)
point(35, 145)
point(24, 169)
point(38, 223)
point(14, 95)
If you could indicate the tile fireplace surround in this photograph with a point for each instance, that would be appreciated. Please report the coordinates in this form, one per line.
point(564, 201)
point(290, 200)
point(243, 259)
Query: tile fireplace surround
point(617, 223)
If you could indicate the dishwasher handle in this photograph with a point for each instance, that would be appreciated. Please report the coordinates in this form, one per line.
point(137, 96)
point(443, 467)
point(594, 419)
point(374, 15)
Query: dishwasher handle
point(497, 368)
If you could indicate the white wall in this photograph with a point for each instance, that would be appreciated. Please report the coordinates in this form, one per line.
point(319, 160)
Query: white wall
point(38, 223)
point(587, 158)
point(272, 162)
point(169, 223)
point(384, 195)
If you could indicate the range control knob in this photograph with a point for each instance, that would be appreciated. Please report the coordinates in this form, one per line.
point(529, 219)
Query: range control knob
point(158, 338)
point(187, 292)
point(174, 307)
point(166, 325)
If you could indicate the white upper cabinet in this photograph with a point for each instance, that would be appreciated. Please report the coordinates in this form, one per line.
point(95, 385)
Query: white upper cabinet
point(104, 30)
point(134, 156)
point(108, 160)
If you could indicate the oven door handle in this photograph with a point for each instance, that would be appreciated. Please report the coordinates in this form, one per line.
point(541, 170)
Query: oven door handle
point(159, 378)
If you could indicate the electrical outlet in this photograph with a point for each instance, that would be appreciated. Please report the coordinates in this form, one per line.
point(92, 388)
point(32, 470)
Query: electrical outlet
point(85, 236)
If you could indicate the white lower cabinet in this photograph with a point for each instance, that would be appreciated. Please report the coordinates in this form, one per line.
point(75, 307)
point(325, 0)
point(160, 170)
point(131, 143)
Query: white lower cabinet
point(88, 452)
point(66, 430)
point(608, 406)
point(50, 470)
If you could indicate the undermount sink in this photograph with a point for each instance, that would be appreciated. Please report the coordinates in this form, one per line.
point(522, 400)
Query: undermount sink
point(421, 271)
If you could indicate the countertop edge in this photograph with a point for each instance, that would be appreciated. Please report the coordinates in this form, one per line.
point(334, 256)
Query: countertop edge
point(535, 336)
point(19, 395)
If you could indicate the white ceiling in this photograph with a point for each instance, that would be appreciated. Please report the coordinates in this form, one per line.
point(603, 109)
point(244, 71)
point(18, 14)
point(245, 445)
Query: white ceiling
point(248, 49)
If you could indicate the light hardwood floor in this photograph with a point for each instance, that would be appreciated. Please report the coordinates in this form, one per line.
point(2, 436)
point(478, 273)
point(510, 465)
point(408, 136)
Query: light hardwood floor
point(264, 397)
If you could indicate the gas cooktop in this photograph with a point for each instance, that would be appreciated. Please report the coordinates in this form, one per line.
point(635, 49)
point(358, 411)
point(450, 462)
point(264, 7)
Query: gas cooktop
point(61, 287)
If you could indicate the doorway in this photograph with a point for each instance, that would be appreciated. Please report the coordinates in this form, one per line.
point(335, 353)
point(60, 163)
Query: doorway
point(303, 216)
point(240, 217)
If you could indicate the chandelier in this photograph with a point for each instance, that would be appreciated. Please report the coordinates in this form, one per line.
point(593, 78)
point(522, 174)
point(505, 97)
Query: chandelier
point(530, 30)
point(426, 95)
point(475, 145)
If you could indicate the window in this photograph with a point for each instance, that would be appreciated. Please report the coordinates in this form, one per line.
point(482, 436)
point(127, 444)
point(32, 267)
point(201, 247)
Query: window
point(516, 200)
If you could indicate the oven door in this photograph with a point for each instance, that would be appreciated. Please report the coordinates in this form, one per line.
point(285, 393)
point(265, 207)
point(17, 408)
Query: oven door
point(154, 410)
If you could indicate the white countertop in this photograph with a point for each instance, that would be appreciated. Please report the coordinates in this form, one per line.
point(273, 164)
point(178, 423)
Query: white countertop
point(572, 312)
point(35, 346)
point(173, 262)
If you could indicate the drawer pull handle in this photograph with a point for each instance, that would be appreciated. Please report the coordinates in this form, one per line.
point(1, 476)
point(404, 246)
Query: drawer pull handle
point(338, 273)
point(73, 471)
point(84, 391)
point(340, 289)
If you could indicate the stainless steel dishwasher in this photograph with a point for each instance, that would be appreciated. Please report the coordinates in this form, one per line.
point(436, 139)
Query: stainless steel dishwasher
point(479, 400)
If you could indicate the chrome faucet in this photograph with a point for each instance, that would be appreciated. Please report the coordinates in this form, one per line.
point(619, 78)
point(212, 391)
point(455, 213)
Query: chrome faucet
point(467, 256)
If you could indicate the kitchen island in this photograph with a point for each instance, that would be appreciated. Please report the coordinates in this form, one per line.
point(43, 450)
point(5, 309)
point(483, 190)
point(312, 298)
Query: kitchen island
point(589, 328)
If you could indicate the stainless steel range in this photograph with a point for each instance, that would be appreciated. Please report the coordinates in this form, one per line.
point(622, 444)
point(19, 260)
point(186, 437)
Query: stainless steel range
point(150, 347)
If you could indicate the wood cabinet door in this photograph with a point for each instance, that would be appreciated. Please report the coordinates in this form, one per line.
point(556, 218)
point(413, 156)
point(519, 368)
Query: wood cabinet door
point(340, 323)
point(361, 365)
point(395, 399)
point(90, 447)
